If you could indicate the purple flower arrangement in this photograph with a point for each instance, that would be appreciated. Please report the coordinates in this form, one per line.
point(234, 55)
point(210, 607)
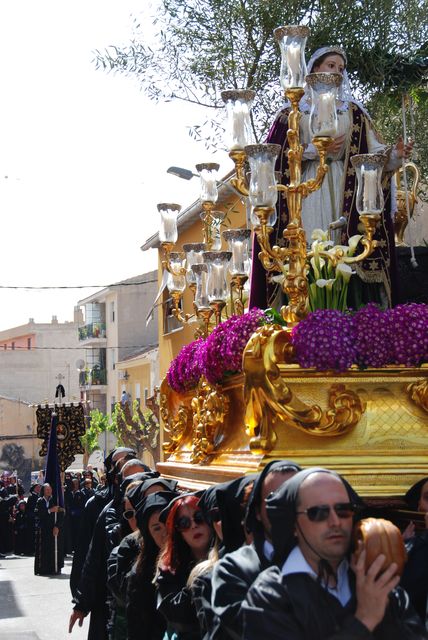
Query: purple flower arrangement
point(371, 337)
point(326, 339)
point(221, 353)
point(217, 355)
point(184, 371)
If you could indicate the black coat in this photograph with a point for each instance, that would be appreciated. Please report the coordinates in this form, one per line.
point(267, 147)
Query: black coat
point(175, 603)
point(415, 576)
point(141, 605)
point(296, 607)
point(232, 576)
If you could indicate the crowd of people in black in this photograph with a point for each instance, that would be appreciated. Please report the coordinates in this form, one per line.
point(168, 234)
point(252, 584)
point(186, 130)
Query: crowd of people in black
point(268, 553)
point(18, 514)
point(262, 554)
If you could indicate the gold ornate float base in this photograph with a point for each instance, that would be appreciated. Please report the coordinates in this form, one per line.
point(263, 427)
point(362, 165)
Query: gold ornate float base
point(371, 426)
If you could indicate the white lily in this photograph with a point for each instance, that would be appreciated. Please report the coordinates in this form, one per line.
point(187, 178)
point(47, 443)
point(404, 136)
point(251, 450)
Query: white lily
point(319, 234)
point(321, 245)
point(344, 271)
point(353, 242)
point(321, 283)
point(317, 265)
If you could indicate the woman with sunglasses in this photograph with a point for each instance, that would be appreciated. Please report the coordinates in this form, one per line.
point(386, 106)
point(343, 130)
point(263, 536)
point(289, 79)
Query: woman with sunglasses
point(141, 611)
point(189, 540)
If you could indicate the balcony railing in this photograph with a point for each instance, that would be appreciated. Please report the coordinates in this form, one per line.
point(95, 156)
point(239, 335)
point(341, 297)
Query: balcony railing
point(92, 377)
point(93, 330)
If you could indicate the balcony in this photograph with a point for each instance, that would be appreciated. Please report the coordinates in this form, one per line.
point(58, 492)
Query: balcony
point(92, 377)
point(95, 330)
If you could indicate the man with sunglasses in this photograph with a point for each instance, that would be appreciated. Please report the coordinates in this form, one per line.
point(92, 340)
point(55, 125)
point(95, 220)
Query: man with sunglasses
point(314, 591)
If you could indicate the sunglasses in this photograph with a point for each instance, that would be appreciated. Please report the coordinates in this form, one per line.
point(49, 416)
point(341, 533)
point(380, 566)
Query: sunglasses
point(128, 514)
point(322, 512)
point(184, 523)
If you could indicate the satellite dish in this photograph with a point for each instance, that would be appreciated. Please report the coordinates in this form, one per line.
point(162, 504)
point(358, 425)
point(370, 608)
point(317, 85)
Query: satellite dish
point(80, 365)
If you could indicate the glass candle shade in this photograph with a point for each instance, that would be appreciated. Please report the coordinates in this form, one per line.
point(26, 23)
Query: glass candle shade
point(168, 227)
point(237, 240)
point(369, 168)
point(292, 41)
point(263, 191)
point(193, 251)
point(323, 116)
point(208, 175)
point(217, 263)
point(200, 272)
point(212, 221)
point(238, 106)
point(176, 276)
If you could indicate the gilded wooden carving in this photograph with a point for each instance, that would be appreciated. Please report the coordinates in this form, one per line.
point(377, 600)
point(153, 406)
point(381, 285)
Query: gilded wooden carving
point(209, 407)
point(418, 392)
point(271, 401)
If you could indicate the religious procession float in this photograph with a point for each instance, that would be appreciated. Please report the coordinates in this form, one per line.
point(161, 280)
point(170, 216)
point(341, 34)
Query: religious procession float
point(309, 358)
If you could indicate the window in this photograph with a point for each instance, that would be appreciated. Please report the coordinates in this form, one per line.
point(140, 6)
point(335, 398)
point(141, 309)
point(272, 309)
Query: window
point(146, 395)
point(5, 347)
point(113, 402)
point(138, 392)
point(13, 346)
point(29, 344)
point(170, 322)
point(112, 312)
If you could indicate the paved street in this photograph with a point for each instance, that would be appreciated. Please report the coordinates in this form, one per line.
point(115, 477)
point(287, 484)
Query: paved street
point(35, 607)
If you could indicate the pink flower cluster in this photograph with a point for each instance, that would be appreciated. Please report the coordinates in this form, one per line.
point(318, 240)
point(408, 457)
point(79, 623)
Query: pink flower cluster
point(371, 337)
point(223, 348)
point(184, 371)
point(217, 355)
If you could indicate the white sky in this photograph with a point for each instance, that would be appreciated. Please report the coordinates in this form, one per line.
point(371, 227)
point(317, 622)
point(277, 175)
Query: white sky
point(85, 154)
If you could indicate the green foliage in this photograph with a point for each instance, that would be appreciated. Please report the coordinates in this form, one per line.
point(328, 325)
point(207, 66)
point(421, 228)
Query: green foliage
point(98, 424)
point(205, 46)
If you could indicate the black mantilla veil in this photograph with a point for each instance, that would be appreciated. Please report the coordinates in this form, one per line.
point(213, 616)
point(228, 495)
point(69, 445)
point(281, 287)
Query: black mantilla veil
point(281, 511)
point(252, 523)
point(413, 495)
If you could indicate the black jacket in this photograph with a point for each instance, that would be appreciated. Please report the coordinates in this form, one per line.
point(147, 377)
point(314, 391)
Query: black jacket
point(296, 607)
point(175, 603)
point(415, 576)
point(231, 578)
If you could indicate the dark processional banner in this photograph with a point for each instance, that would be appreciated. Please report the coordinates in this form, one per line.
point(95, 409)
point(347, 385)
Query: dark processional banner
point(70, 426)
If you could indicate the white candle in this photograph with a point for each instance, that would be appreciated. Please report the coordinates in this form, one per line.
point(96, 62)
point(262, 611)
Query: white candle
point(370, 190)
point(209, 187)
point(216, 282)
point(168, 230)
point(238, 257)
point(240, 125)
point(293, 61)
point(326, 120)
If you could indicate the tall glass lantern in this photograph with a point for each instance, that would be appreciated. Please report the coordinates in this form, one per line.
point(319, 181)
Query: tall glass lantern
point(237, 240)
point(369, 168)
point(262, 190)
point(176, 282)
point(168, 232)
point(323, 116)
point(193, 251)
point(292, 42)
point(200, 272)
point(217, 263)
point(208, 174)
point(238, 106)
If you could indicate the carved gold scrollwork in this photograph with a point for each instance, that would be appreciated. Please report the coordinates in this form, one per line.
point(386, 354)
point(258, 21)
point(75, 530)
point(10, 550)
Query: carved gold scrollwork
point(418, 392)
point(174, 425)
point(209, 407)
point(270, 400)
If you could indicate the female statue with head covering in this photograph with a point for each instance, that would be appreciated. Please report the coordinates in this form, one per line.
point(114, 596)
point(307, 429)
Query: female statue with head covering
point(333, 206)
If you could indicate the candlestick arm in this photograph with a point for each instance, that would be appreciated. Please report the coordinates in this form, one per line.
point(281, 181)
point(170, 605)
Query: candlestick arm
point(239, 182)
